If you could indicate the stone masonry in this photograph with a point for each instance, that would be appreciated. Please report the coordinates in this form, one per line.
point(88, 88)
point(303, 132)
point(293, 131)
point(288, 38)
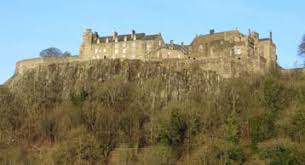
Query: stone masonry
point(228, 53)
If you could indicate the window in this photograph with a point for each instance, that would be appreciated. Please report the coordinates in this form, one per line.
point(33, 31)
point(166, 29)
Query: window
point(160, 43)
point(148, 47)
point(200, 48)
point(237, 50)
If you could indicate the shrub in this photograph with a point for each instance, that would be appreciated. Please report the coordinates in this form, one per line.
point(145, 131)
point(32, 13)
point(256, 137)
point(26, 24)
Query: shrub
point(281, 152)
point(274, 98)
point(158, 155)
point(297, 123)
point(232, 128)
point(262, 127)
point(228, 153)
point(79, 98)
point(176, 131)
point(81, 147)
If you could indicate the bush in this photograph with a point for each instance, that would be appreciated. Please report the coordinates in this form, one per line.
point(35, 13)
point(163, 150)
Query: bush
point(262, 127)
point(274, 98)
point(229, 153)
point(232, 128)
point(179, 121)
point(78, 99)
point(281, 152)
point(297, 126)
point(158, 155)
point(80, 148)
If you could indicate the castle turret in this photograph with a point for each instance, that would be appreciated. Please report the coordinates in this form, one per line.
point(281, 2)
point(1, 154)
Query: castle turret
point(268, 48)
point(87, 42)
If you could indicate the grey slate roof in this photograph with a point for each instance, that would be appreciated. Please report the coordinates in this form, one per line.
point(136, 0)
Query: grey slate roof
point(139, 36)
point(182, 48)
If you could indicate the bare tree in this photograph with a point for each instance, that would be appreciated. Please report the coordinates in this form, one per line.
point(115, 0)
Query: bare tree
point(51, 52)
point(67, 54)
point(302, 47)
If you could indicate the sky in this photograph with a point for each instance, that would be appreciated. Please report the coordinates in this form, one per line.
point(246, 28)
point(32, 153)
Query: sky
point(29, 26)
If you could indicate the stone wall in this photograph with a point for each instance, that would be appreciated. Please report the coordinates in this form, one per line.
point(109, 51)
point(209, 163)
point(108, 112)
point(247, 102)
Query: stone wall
point(227, 53)
point(226, 65)
point(24, 65)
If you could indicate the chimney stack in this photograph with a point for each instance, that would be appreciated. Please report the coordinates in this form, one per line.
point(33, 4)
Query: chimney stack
point(114, 36)
point(212, 31)
point(89, 30)
point(172, 44)
point(270, 36)
point(133, 35)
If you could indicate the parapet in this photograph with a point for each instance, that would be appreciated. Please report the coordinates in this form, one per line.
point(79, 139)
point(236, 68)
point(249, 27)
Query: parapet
point(25, 65)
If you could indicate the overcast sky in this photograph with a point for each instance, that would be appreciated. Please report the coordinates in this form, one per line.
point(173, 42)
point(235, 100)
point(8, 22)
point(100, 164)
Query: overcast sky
point(28, 26)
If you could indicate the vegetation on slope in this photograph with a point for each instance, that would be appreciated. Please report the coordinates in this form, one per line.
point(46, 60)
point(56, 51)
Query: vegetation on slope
point(163, 117)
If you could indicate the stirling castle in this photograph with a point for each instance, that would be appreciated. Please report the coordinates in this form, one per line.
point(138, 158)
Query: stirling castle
point(228, 53)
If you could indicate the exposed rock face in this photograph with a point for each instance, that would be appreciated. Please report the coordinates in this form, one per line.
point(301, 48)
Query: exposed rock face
point(58, 81)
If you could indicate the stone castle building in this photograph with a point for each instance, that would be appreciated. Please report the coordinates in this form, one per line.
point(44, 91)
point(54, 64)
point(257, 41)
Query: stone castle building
point(214, 51)
point(228, 53)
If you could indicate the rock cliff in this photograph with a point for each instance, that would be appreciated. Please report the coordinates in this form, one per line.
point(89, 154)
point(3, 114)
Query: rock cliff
point(59, 81)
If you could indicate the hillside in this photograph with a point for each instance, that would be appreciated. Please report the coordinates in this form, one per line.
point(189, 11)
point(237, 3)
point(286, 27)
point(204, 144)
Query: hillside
point(133, 112)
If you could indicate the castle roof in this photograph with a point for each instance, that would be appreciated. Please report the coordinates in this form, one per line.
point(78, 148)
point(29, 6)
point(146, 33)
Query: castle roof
point(216, 36)
point(182, 48)
point(139, 36)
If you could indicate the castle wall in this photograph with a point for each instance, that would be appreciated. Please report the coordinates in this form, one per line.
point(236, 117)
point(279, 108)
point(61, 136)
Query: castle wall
point(227, 53)
point(268, 50)
point(24, 65)
point(127, 50)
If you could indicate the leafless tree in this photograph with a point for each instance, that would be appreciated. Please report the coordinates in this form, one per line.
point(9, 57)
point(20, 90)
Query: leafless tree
point(51, 52)
point(302, 47)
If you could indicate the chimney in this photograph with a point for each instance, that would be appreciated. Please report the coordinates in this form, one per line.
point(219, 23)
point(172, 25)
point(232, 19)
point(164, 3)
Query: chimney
point(114, 36)
point(88, 30)
point(212, 31)
point(270, 36)
point(172, 44)
point(182, 43)
point(133, 35)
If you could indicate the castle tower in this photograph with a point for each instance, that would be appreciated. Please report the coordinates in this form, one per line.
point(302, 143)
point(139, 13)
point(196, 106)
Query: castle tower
point(87, 42)
point(268, 48)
